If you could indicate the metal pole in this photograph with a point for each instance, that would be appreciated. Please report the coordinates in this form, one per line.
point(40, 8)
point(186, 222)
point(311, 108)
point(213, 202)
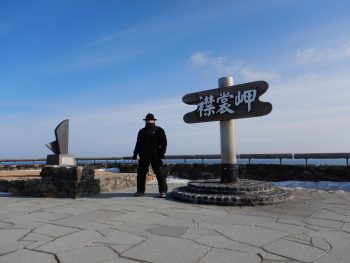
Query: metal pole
point(228, 144)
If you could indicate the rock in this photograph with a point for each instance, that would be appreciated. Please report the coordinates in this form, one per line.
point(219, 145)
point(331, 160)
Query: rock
point(41, 187)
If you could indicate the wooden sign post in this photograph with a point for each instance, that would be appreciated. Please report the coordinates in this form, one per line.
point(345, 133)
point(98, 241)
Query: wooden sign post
point(224, 104)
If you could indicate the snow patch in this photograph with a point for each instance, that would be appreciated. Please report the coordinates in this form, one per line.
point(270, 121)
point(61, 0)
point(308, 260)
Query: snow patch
point(111, 170)
point(171, 180)
point(321, 185)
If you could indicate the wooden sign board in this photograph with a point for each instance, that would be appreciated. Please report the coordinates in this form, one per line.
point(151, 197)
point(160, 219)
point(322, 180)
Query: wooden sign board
point(232, 102)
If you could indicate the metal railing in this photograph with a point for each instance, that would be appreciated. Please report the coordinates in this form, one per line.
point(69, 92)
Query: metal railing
point(14, 161)
point(307, 156)
point(202, 157)
point(279, 156)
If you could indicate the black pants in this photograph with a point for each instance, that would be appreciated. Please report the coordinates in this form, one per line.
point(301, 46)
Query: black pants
point(143, 170)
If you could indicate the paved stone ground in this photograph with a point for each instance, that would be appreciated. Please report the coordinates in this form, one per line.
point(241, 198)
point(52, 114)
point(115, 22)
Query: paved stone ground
point(117, 227)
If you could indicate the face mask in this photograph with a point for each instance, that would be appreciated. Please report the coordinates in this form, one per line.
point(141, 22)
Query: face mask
point(150, 124)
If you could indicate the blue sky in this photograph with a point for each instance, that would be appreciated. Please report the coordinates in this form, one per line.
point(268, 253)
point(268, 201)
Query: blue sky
point(105, 64)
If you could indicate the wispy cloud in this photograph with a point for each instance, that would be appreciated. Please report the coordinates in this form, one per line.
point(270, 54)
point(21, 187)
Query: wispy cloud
point(185, 16)
point(250, 74)
point(114, 36)
point(200, 59)
point(223, 65)
point(128, 43)
point(320, 54)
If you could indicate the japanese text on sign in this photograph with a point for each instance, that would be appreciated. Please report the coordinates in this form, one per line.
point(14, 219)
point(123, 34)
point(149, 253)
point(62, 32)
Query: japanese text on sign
point(226, 102)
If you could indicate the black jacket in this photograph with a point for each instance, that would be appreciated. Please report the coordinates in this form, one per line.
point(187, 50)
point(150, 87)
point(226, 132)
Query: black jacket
point(151, 142)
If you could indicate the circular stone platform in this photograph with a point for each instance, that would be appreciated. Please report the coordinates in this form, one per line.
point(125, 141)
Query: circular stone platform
point(245, 193)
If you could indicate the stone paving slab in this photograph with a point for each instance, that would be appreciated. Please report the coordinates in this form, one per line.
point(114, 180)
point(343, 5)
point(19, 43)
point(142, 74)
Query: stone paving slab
point(167, 249)
point(10, 236)
point(37, 237)
point(6, 249)
point(118, 227)
point(28, 256)
point(240, 247)
point(227, 256)
point(256, 236)
point(291, 249)
point(55, 230)
point(72, 241)
point(215, 241)
point(168, 231)
point(85, 219)
point(88, 254)
point(133, 228)
point(237, 219)
point(121, 238)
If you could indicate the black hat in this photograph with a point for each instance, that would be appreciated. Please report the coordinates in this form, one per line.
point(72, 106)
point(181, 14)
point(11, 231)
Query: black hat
point(149, 117)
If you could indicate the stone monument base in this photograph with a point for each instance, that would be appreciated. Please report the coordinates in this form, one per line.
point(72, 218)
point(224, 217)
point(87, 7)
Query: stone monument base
point(60, 159)
point(67, 181)
point(243, 193)
point(229, 173)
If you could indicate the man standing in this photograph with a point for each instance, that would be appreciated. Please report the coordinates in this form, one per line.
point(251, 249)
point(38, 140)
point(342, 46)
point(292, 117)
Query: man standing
point(150, 146)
